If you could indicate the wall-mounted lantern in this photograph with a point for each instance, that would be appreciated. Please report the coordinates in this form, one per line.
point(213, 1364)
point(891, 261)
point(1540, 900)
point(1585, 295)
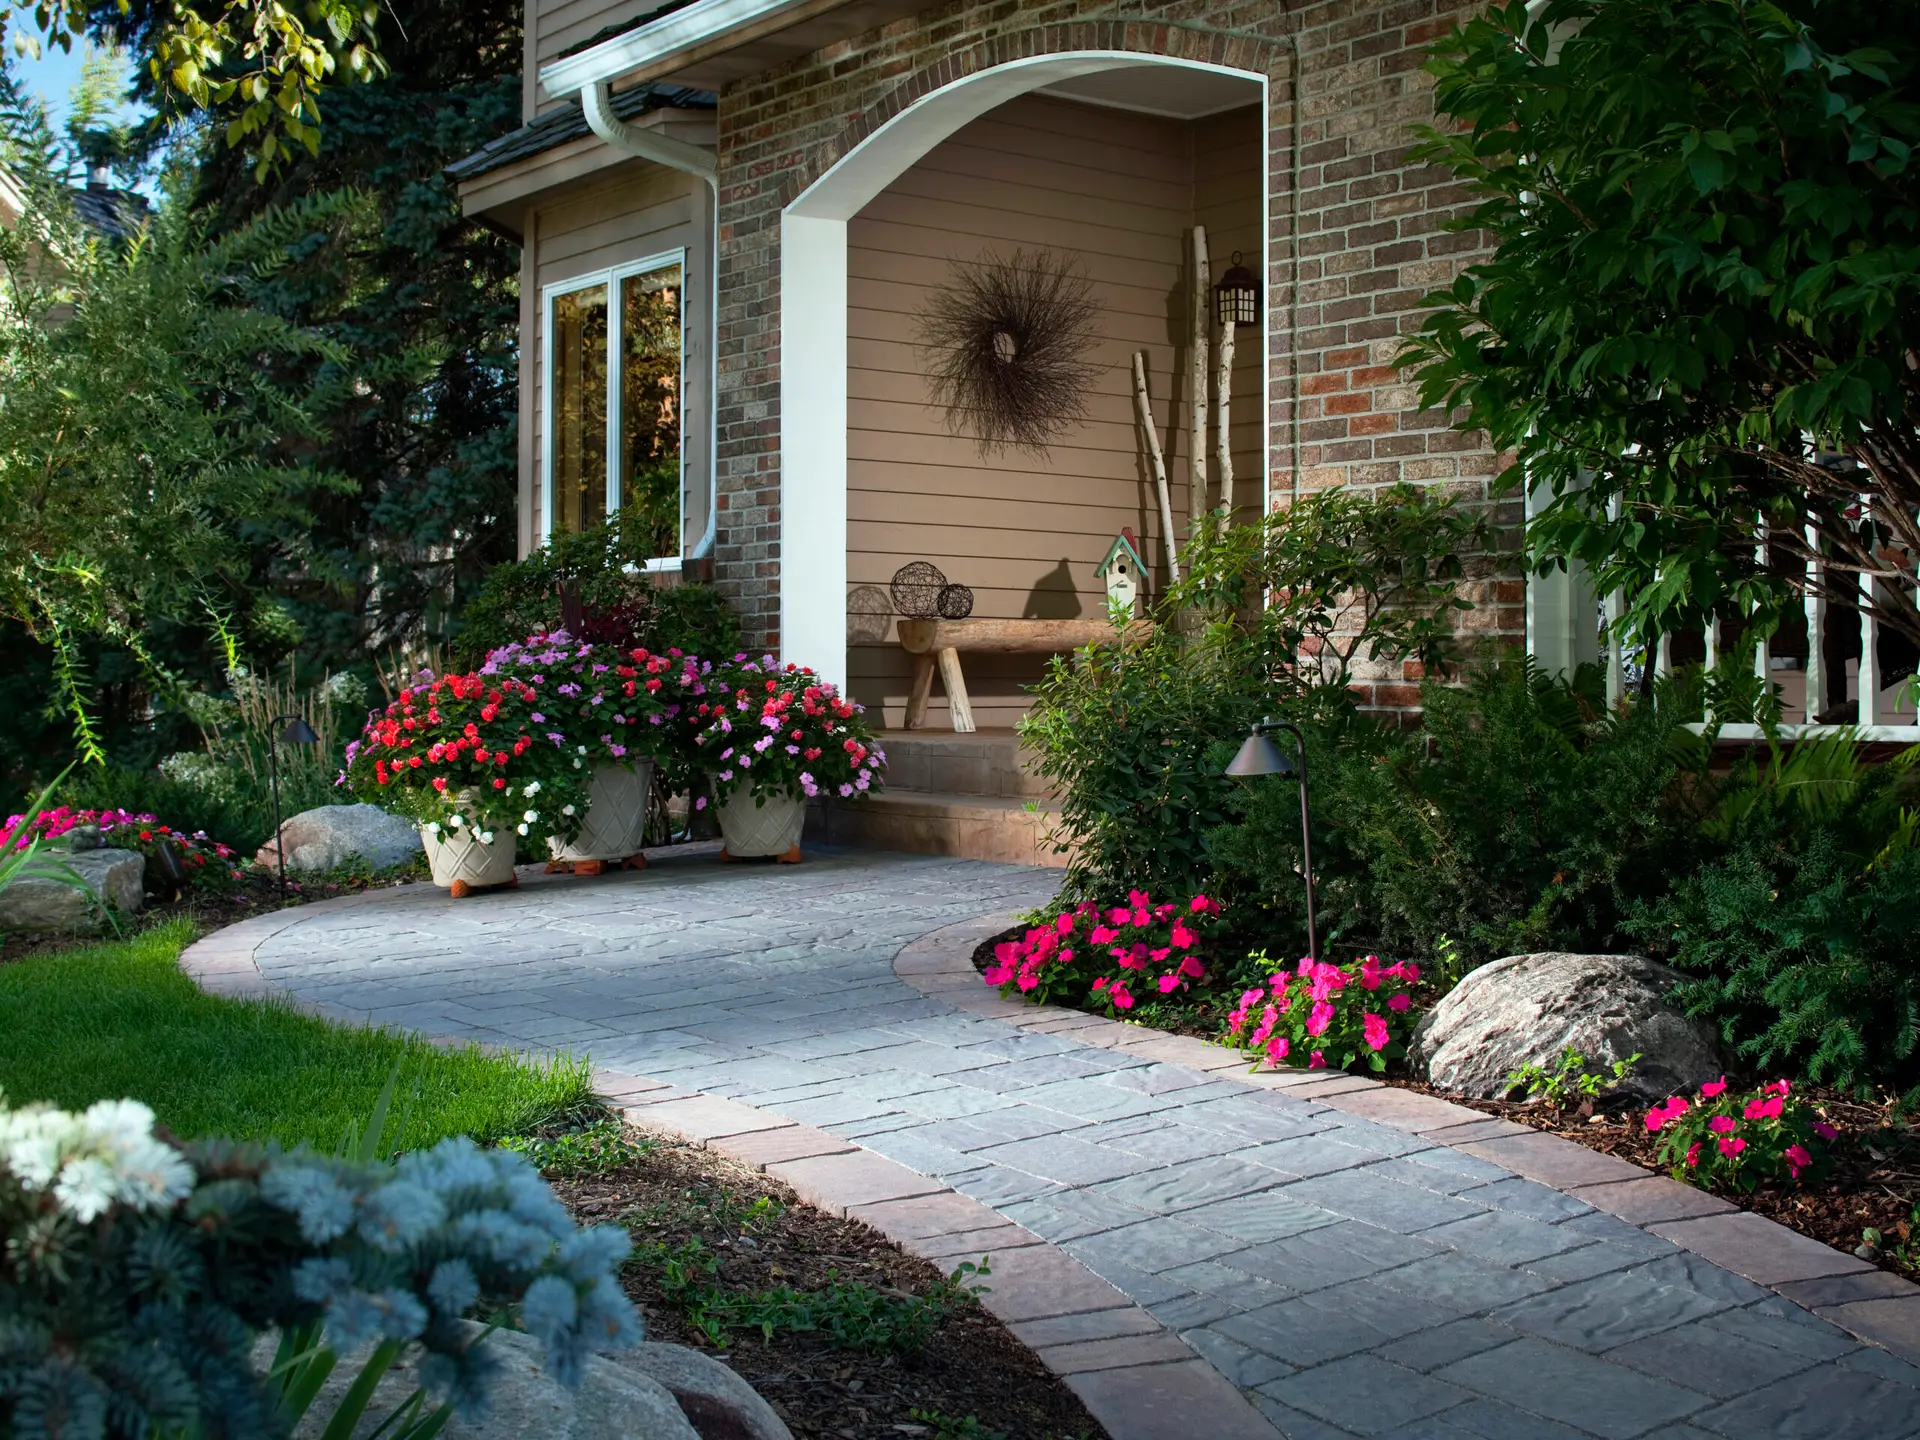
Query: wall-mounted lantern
point(1236, 299)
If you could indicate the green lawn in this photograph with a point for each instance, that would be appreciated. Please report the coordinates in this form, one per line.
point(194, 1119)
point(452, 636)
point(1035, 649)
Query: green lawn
point(120, 1019)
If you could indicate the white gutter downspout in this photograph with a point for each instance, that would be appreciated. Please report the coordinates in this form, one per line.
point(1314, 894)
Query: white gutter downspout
point(596, 101)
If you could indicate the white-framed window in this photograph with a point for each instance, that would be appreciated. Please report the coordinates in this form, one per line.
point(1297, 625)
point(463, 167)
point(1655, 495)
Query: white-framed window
point(614, 428)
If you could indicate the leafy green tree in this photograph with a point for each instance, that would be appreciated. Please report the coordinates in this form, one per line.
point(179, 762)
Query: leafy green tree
point(146, 422)
point(430, 449)
point(1701, 315)
point(264, 64)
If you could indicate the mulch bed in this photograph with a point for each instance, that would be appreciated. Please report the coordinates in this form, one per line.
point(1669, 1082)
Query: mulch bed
point(972, 1366)
point(1875, 1181)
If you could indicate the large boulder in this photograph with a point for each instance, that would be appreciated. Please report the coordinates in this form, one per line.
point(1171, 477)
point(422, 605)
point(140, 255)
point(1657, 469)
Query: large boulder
point(652, 1392)
point(44, 905)
point(332, 835)
point(720, 1404)
point(1531, 1008)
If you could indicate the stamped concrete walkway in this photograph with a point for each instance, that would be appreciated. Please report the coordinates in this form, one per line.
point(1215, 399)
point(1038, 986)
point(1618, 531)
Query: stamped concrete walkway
point(1397, 1276)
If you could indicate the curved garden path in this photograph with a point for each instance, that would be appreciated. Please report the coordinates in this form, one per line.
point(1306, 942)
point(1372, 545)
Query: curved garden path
point(1354, 1260)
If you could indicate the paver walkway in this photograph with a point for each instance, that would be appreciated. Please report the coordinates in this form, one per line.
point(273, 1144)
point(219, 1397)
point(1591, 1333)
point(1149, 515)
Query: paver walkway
point(1354, 1278)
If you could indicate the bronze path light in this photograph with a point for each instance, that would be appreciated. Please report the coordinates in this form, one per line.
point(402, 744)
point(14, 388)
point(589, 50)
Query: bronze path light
point(1260, 756)
point(298, 732)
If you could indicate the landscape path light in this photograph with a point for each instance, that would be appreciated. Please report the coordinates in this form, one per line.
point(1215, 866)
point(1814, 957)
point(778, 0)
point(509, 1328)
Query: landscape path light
point(1260, 756)
point(298, 732)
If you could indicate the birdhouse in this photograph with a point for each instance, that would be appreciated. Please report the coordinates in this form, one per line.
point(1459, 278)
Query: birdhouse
point(1124, 571)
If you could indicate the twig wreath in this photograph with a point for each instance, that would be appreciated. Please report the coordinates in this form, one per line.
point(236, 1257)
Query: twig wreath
point(1006, 344)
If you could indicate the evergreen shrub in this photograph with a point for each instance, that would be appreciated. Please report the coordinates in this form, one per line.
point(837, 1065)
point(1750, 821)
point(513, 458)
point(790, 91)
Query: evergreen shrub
point(136, 1273)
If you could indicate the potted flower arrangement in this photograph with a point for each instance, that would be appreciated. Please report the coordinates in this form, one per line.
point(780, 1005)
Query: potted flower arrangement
point(616, 713)
point(772, 738)
point(461, 756)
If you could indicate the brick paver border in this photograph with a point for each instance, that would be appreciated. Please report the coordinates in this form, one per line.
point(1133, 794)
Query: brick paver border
point(1872, 1304)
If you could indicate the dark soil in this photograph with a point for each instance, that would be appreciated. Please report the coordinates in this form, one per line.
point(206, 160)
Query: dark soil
point(972, 1366)
point(1875, 1181)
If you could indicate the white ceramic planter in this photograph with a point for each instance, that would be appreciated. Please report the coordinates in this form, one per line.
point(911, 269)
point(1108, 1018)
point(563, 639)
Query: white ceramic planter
point(769, 828)
point(461, 862)
point(616, 820)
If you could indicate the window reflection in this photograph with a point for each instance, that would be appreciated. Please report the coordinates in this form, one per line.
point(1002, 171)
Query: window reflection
point(651, 395)
point(579, 410)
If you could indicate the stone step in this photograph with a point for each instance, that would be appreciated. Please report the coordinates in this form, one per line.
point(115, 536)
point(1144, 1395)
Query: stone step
point(945, 762)
point(974, 827)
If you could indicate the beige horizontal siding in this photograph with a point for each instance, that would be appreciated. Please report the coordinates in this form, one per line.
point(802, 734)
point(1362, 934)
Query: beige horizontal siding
point(1117, 192)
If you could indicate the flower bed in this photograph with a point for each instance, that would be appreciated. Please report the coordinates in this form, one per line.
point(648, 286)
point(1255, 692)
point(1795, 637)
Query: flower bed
point(206, 866)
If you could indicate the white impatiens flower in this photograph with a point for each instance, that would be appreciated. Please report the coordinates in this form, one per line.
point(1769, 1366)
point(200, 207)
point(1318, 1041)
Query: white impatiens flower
point(433, 827)
point(566, 809)
point(521, 828)
point(455, 821)
point(486, 837)
point(533, 789)
point(581, 748)
point(530, 817)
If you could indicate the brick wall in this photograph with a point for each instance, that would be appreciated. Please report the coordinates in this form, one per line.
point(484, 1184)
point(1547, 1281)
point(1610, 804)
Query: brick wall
point(1371, 242)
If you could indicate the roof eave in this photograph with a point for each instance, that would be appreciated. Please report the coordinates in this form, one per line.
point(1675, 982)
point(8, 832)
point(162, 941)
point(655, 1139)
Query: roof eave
point(698, 27)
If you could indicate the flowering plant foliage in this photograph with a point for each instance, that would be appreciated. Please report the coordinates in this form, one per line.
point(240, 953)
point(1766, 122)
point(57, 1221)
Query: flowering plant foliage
point(205, 864)
point(1319, 1015)
point(783, 731)
point(623, 706)
point(1117, 955)
point(134, 1272)
point(464, 751)
point(1729, 1140)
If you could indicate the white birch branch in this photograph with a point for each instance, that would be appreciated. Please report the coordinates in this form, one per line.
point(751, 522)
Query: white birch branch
point(1158, 460)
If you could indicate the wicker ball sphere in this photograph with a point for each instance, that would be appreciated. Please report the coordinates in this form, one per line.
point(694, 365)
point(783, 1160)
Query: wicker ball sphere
point(955, 603)
point(916, 590)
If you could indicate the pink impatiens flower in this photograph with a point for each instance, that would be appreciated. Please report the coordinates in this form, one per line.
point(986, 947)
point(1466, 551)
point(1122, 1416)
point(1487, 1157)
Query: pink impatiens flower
point(1825, 1131)
point(1277, 1049)
point(1713, 1088)
point(1319, 1018)
point(1731, 1145)
point(1376, 1031)
point(1722, 1124)
point(1799, 1158)
point(1399, 1003)
point(1316, 1061)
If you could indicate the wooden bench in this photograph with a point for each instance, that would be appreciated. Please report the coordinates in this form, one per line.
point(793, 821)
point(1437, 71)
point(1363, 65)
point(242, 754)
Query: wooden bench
point(939, 642)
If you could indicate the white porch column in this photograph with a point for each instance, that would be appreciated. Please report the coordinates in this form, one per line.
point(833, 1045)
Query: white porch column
point(813, 443)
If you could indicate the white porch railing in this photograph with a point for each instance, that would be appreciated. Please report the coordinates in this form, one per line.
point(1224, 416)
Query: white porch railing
point(1566, 621)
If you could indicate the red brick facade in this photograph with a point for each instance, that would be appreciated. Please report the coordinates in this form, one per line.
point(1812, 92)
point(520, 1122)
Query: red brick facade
point(1370, 236)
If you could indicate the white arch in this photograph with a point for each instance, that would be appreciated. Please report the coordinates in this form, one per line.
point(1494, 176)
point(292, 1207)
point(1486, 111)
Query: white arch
point(813, 329)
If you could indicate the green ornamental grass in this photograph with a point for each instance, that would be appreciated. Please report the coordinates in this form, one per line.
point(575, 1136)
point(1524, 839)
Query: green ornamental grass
point(120, 1020)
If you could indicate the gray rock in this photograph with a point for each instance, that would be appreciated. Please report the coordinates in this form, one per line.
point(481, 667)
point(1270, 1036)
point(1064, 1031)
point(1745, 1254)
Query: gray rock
point(611, 1402)
point(1530, 1008)
point(42, 904)
point(330, 836)
point(720, 1404)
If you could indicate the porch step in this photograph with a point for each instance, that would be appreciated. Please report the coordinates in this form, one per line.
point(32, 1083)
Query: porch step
point(976, 827)
point(944, 762)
